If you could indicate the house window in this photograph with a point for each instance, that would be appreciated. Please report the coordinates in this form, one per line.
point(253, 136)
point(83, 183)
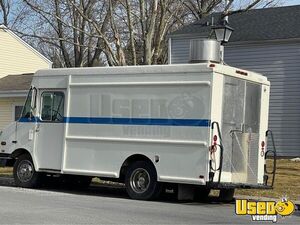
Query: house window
point(52, 109)
point(17, 111)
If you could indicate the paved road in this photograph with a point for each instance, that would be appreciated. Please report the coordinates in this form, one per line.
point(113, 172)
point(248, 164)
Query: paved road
point(103, 205)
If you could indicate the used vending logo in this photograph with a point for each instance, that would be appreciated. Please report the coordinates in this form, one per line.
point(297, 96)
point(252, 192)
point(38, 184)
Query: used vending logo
point(264, 210)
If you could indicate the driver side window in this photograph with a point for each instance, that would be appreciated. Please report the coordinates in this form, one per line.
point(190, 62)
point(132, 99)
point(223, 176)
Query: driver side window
point(52, 107)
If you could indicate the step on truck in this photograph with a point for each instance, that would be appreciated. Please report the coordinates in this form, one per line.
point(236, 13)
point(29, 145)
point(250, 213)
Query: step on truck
point(197, 126)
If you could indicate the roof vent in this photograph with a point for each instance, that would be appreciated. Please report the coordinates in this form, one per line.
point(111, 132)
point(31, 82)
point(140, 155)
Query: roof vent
point(204, 50)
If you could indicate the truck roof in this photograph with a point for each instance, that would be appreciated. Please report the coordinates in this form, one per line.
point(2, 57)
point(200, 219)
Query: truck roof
point(156, 69)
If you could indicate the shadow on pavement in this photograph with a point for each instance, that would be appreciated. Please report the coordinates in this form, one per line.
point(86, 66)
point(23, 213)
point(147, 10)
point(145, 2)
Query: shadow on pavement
point(105, 190)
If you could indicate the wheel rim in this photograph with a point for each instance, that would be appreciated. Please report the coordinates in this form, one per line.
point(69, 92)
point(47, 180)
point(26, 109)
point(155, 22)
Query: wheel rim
point(25, 171)
point(140, 180)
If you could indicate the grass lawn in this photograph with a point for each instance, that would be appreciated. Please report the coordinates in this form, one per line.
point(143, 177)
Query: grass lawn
point(6, 171)
point(287, 181)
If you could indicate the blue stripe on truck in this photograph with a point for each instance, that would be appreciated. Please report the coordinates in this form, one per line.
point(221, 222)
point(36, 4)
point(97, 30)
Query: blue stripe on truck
point(130, 121)
point(139, 121)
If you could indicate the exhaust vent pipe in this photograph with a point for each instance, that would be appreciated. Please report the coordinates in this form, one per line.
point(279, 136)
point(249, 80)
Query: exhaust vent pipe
point(205, 50)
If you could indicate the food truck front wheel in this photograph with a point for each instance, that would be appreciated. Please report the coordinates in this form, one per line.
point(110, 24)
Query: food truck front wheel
point(24, 172)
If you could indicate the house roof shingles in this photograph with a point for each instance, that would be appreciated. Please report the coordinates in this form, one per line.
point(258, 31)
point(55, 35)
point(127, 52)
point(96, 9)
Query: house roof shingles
point(16, 82)
point(253, 25)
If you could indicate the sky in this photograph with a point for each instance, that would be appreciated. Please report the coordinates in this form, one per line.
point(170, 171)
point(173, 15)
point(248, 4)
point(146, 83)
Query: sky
point(291, 2)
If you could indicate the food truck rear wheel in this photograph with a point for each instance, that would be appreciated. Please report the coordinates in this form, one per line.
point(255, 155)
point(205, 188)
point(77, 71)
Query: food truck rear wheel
point(141, 181)
point(24, 172)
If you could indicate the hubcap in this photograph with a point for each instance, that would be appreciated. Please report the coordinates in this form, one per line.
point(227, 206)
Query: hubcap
point(140, 180)
point(25, 171)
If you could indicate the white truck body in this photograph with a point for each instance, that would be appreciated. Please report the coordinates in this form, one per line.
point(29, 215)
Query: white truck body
point(103, 116)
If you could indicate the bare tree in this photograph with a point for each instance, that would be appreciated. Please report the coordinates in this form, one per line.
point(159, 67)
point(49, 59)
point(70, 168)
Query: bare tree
point(66, 30)
point(202, 8)
point(77, 33)
point(12, 14)
point(5, 10)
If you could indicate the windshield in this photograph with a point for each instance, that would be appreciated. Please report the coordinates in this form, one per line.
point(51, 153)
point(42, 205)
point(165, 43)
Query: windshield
point(27, 112)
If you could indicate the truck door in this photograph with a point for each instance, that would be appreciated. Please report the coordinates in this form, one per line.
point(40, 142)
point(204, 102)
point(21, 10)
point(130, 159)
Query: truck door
point(27, 123)
point(50, 130)
point(233, 119)
point(241, 113)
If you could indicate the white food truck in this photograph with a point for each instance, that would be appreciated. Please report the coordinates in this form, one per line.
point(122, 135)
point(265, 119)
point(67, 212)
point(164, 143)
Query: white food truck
point(200, 126)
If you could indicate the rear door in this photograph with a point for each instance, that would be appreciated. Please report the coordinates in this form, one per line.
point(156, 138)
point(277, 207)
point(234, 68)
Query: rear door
point(241, 113)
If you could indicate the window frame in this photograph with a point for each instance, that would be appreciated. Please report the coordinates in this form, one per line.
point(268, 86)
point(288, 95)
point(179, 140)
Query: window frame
point(33, 101)
point(41, 105)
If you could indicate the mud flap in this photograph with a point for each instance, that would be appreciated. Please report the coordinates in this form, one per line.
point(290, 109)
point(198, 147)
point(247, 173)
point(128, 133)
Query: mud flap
point(185, 192)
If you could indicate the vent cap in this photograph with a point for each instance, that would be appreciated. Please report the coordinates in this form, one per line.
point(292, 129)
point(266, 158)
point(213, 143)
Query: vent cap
point(204, 50)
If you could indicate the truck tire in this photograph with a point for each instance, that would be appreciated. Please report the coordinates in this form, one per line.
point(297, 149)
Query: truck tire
point(24, 172)
point(141, 181)
point(226, 195)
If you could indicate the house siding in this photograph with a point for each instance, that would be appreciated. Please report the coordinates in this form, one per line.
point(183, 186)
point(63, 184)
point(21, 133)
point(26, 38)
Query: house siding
point(16, 58)
point(280, 62)
point(7, 110)
point(180, 50)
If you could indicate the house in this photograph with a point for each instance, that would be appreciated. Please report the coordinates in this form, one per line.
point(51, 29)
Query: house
point(266, 41)
point(13, 91)
point(16, 57)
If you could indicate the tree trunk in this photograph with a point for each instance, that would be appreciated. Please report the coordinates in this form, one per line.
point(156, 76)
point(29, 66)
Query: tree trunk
point(130, 28)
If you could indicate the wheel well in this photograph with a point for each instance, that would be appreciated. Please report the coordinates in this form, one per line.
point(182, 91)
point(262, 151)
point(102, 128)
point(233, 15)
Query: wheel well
point(131, 159)
point(15, 155)
point(19, 152)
